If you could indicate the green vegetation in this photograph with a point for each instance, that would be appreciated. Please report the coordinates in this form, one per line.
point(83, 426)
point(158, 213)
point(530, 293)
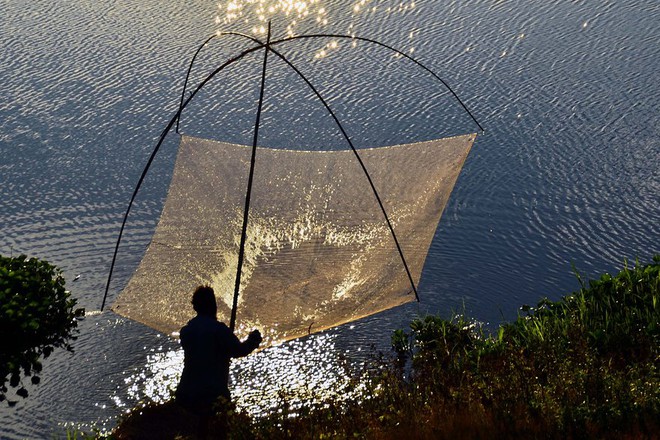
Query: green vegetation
point(36, 316)
point(586, 366)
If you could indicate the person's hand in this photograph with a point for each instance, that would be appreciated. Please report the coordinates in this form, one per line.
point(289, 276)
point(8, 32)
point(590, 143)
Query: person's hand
point(255, 337)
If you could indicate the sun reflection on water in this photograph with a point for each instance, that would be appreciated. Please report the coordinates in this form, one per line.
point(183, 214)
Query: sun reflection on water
point(254, 15)
point(262, 11)
point(300, 372)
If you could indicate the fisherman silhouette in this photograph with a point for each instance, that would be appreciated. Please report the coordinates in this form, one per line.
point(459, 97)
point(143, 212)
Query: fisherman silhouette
point(208, 347)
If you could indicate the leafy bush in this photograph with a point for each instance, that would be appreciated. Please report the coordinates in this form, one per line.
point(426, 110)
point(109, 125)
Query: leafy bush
point(586, 365)
point(619, 316)
point(37, 315)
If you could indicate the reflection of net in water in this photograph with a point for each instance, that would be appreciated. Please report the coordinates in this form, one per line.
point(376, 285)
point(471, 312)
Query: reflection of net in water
point(318, 250)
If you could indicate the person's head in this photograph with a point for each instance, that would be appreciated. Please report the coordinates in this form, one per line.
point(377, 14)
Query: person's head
point(203, 301)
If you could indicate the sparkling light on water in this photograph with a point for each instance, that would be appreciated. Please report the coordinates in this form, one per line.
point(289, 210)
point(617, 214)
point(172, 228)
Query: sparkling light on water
point(295, 15)
point(300, 372)
point(262, 11)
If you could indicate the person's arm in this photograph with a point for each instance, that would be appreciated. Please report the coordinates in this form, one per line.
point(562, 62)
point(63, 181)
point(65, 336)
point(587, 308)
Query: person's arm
point(240, 349)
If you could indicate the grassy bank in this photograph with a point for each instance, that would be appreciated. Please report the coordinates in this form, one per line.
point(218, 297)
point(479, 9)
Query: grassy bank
point(586, 366)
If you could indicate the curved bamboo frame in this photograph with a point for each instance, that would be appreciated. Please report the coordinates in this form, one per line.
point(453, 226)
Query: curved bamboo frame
point(268, 45)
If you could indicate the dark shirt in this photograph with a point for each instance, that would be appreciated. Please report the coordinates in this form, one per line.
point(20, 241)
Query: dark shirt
point(208, 346)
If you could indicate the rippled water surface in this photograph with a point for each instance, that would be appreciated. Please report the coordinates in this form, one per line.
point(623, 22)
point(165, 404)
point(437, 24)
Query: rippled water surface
point(567, 170)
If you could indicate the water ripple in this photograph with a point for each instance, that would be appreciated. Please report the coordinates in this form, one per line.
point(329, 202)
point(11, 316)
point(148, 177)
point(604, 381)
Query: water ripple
point(566, 172)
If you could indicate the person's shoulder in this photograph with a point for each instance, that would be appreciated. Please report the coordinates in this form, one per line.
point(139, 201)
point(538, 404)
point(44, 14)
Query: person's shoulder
point(191, 323)
point(222, 326)
point(189, 327)
point(222, 330)
point(207, 323)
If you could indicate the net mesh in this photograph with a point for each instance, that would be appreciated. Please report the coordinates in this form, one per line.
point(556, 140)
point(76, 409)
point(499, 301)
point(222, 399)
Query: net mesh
point(318, 250)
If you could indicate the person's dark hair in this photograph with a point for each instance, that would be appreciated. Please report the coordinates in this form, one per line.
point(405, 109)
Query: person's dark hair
point(203, 301)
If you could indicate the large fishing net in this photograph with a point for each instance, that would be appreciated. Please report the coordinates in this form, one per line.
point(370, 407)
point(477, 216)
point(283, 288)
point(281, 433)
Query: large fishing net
point(318, 253)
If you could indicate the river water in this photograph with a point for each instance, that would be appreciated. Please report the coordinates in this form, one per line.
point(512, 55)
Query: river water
point(566, 172)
